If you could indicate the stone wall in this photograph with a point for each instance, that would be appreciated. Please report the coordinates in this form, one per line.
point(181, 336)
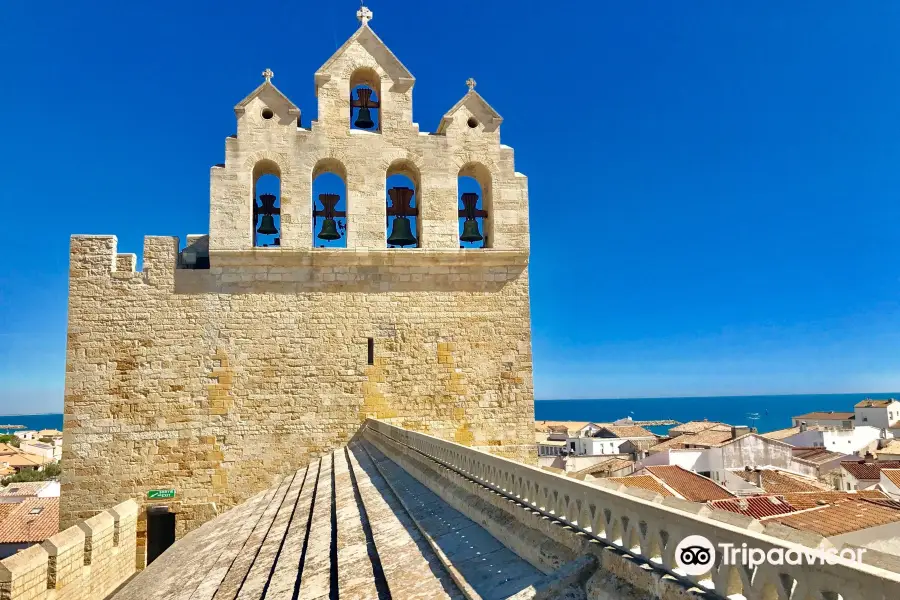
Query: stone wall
point(84, 562)
point(213, 382)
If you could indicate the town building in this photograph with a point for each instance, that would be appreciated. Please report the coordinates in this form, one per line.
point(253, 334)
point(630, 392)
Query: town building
point(772, 481)
point(827, 418)
point(608, 439)
point(861, 438)
point(863, 474)
point(883, 414)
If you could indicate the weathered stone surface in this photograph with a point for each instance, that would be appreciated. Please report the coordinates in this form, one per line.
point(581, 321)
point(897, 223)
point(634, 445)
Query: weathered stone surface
point(214, 382)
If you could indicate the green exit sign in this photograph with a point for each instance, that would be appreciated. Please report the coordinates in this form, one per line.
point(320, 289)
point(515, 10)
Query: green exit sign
point(160, 494)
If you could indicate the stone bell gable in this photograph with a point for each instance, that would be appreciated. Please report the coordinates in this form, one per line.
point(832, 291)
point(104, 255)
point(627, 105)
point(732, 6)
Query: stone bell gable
point(247, 351)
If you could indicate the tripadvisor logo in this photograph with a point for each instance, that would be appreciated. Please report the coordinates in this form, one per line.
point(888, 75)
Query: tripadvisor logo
point(696, 555)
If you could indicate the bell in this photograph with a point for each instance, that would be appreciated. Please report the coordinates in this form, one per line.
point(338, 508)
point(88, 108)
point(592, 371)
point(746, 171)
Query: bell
point(470, 232)
point(267, 226)
point(401, 233)
point(329, 230)
point(364, 119)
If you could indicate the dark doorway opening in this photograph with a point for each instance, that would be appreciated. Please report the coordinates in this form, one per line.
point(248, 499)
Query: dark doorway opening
point(160, 531)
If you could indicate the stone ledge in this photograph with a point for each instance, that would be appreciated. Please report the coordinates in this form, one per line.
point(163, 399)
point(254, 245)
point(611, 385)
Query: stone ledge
point(362, 257)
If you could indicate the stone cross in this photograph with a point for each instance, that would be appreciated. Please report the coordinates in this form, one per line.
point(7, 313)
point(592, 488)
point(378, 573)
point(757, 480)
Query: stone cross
point(364, 15)
point(471, 83)
point(268, 74)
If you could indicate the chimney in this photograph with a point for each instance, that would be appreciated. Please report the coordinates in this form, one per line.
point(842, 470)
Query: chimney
point(739, 430)
point(757, 476)
point(802, 426)
point(870, 456)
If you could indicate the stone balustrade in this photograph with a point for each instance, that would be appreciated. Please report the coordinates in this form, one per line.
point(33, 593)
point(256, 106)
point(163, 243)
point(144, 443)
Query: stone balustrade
point(85, 562)
point(647, 528)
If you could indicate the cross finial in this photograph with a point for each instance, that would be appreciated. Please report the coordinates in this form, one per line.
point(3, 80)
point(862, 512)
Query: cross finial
point(471, 83)
point(268, 74)
point(364, 15)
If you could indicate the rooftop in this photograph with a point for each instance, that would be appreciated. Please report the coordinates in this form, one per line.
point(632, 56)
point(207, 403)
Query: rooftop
point(754, 506)
point(605, 466)
point(689, 485)
point(776, 481)
point(567, 426)
point(644, 482)
point(875, 403)
point(804, 500)
point(842, 517)
point(627, 431)
point(892, 447)
point(32, 520)
point(892, 475)
point(698, 426)
point(816, 455)
point(30, 488)
point(869, 469)
point(828, 415)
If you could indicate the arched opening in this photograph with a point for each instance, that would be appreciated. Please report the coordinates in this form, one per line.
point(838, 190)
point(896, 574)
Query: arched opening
point(266, 230)
point(474, 199)
point(329, 204)
point(402, 205)
point(365, 100)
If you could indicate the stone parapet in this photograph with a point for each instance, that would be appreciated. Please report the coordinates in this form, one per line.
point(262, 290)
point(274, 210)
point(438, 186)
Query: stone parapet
point(84, 562)
point(635, 533)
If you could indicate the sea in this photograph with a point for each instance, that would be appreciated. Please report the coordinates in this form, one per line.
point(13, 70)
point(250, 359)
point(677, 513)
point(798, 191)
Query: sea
point(766, 413)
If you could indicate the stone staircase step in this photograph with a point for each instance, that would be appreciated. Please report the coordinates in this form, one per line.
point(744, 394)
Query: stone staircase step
point(491, 569)
point(284, 576)
point(410, 566)
point(359, 566)
point(243, 562)
point(315, 577)
point(257, 579)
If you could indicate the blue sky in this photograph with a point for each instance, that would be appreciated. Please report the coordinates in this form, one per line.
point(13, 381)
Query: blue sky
point(715, 186)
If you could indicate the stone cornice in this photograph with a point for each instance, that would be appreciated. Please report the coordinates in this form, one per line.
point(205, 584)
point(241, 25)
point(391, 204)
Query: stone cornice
point(360, 257)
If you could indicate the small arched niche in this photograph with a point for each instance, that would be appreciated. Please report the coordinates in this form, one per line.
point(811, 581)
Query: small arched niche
point(329, 204)
point(402, 202)
point(475, 206)
point(365, 100)
point(266, 226)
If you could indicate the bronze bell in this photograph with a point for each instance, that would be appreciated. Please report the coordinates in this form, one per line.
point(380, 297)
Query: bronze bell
point(364, 119)
point(267, 226)
point(470, 232)
point(401, 233)
point(329, 230)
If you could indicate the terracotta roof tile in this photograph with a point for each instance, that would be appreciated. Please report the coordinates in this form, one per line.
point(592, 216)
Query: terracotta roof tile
point(805, 500)
point(605, 466)
point(780, 482)
point(30, 488)
point(698, 426)
point(5, 509)
point(875, 403)
point(816, 455)
point(645, 482)
point(755, 506)
point(32, 520)
point(842, 517)
point(893, 475)
point(688, 484)
point(828, 415)
point(892, 447)
point(866, 469)
point(627, 431)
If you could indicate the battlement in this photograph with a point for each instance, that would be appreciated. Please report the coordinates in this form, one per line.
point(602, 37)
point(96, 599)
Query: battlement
point(86, 561)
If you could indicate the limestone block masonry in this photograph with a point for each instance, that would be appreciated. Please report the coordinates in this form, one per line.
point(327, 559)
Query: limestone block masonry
point(85, 562)
point(213, 382)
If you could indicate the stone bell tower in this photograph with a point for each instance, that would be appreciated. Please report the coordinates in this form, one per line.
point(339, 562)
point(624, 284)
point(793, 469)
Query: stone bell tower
point(246, 352)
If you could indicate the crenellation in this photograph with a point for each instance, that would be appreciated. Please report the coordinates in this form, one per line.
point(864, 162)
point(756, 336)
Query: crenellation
point(211, 378)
